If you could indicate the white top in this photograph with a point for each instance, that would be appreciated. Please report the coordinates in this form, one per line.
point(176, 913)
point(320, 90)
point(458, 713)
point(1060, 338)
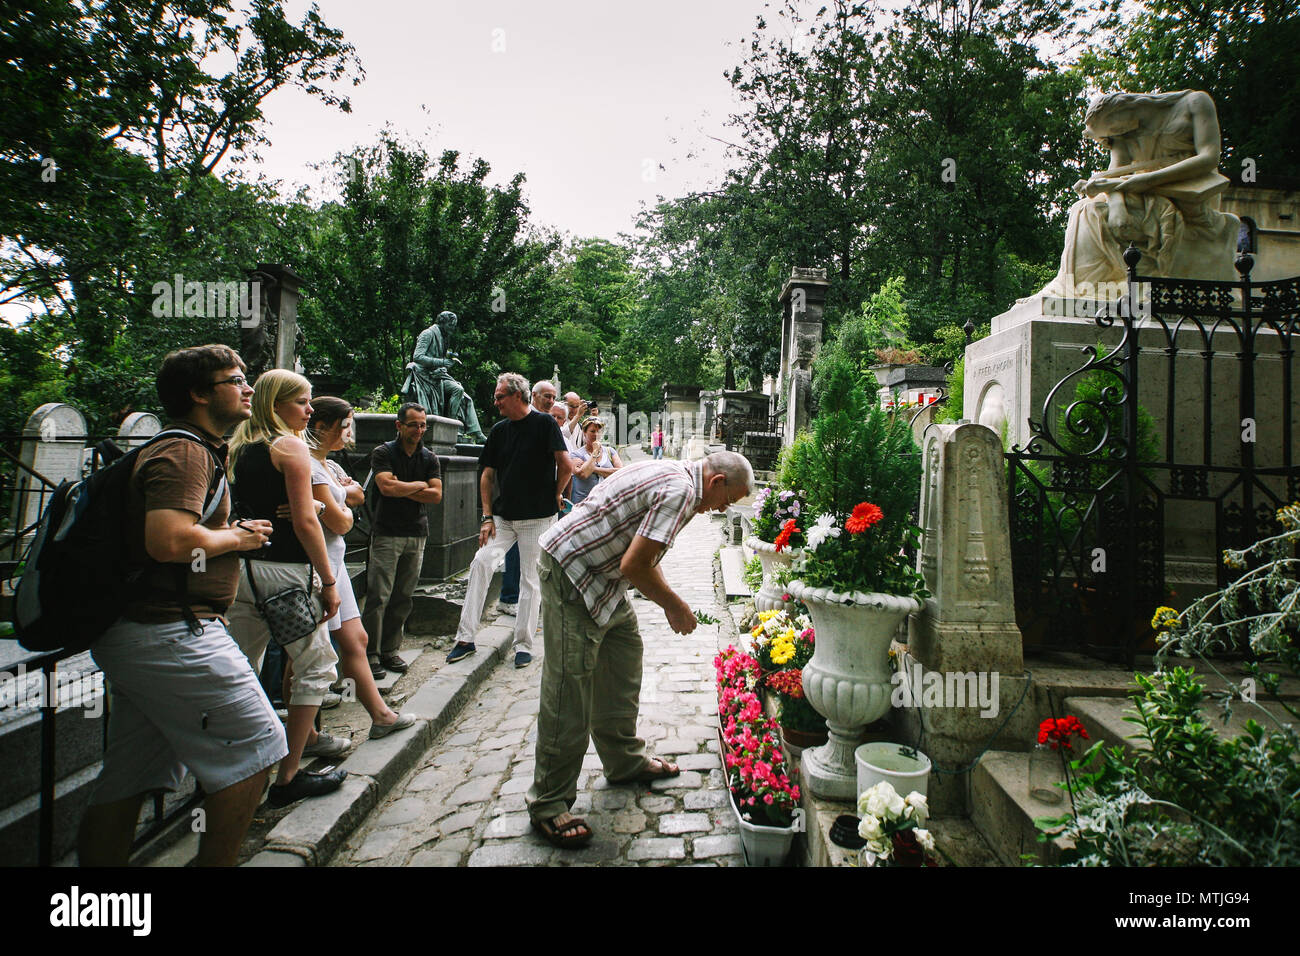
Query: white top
point(329, 473)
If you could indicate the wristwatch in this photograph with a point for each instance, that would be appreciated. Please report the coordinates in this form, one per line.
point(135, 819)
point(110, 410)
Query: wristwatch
point(487, 518)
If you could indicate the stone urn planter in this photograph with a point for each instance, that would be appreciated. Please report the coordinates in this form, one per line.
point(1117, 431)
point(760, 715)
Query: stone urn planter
point(848, 679)
point(769, 596)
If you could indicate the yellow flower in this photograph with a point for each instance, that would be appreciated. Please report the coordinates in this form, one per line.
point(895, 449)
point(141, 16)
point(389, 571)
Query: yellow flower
point(1233, 560)
point(782, 651)
point(758, 629)
point(787, 635)
point(766, 616)
point(1166, 618)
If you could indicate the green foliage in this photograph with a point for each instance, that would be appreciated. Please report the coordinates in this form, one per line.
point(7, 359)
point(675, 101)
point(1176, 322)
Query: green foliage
point(857, 453)
point(954, 404)
point(795, 713)
point(754, 574)
point(1193, 797)
point(413, 236)
point(116, 118)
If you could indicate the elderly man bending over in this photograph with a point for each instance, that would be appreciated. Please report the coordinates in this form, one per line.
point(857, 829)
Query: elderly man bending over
point(591, 675)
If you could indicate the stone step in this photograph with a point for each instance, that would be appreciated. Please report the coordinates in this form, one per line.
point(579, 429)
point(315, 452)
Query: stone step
point(733, 572)
point(1104, 719)
point(1003, 811)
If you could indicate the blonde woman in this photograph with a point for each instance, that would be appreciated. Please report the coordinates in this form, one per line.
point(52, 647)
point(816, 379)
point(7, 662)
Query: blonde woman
point(592, 461)
point(270, 467)
point(329, 428)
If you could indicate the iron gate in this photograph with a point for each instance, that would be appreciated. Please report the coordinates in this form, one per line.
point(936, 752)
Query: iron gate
point(1100, 489)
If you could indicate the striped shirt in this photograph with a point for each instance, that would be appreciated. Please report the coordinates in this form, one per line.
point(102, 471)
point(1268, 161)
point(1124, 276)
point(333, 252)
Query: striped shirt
point(653, 499)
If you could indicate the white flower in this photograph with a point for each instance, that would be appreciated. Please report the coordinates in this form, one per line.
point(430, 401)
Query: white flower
point(882, 801)
point(869, 828)
point(916, 801)
point(924, 838)
point(824, 527)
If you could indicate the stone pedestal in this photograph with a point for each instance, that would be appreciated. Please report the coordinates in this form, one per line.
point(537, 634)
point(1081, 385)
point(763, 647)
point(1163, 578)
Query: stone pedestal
point(1035, 344)
point(453, 522)
point(965, 669)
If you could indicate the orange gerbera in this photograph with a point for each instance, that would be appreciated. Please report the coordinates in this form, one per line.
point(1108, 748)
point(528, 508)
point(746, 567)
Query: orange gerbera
point(783, 539)
point(863, 517)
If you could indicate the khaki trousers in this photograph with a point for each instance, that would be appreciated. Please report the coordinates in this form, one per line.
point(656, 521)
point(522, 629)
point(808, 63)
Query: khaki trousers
point(591, 690)
point(392, 573)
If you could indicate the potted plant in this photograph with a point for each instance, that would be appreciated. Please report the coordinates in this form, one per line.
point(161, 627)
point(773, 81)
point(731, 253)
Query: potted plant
point(892, 827)
point(764, 800)
point(783, 645)
point(775, 538)
point(863, 474)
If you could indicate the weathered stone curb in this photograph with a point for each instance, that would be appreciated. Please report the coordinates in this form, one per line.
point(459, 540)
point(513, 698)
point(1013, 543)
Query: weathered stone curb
point(310, 834)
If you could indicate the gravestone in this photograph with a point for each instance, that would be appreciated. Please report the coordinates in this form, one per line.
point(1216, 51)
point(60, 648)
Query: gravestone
point(966, 631)
point(54, 440)
point(269, 338)
point(802, 299)
point(136, 429)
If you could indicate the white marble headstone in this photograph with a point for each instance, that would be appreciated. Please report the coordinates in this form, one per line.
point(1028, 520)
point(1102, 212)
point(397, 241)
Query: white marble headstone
point(53, 440)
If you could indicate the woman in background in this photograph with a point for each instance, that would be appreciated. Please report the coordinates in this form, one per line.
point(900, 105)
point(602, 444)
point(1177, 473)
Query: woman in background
point(330, 428)
point(592, 460)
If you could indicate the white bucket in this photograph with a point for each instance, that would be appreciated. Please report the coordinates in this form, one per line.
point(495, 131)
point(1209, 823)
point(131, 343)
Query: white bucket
point(879, 761)
point(767, 846)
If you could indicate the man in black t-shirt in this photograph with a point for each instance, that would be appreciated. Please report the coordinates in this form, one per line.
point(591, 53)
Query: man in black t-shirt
point(527, 459)
point(407, 476)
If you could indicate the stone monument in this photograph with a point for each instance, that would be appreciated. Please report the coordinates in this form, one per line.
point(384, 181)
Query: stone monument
point(1160, 192)
point(964, 639)
point(53, 445)
point(802, 299)
point(429, 383)
point(269, 338)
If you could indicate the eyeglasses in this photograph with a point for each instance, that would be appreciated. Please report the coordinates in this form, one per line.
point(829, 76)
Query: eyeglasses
point(236, 380)
point(419, 425)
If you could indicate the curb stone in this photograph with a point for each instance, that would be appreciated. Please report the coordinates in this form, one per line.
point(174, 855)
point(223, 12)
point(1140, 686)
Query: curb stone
point(311, 833)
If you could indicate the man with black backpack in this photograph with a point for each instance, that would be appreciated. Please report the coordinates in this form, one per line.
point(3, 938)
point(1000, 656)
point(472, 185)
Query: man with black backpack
point(183, 694)
point(405, 477)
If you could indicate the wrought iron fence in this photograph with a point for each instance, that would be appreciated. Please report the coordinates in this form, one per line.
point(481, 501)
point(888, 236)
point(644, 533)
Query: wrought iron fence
point(1092, 489)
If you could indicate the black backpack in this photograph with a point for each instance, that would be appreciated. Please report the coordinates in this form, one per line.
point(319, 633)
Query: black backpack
point(76, 577)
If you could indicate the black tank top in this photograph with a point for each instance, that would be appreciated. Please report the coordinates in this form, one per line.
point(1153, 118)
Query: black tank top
point(259, 489)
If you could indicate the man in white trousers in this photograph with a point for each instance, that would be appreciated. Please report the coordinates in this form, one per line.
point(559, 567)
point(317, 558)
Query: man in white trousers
point(525, 468)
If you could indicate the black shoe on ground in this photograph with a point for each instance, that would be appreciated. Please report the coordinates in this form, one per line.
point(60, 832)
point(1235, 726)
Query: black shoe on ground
point(377, 671)
point(305, 784)
point(393, 663)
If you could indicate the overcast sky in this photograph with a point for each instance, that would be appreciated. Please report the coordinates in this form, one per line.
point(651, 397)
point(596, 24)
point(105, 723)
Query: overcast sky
point(588, 99)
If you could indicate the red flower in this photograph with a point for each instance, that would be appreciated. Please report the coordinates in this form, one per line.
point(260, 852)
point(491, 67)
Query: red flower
point(788, 682)
point(863, 517)
point(1058, 731)
point(783, 539)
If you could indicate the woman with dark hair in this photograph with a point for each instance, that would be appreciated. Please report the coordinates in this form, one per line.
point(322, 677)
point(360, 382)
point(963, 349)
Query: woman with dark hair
point(270, 467)
point(330, 428)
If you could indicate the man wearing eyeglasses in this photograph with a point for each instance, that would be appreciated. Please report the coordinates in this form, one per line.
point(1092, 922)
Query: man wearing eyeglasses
point(407, 476)
point(525, 468)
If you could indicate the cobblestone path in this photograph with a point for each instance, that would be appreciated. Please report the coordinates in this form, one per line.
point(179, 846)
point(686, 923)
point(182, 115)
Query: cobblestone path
point(464, 803)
